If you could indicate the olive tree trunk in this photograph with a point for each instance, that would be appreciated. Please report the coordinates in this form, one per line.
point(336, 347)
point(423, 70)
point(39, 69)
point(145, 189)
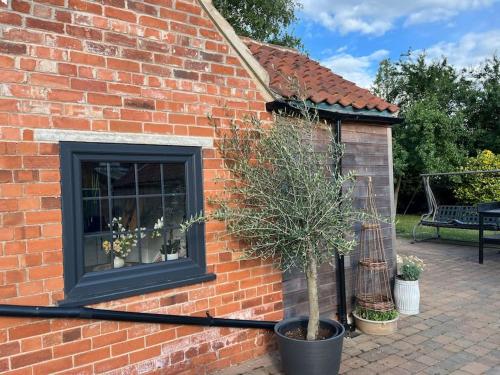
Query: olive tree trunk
point(312, 291)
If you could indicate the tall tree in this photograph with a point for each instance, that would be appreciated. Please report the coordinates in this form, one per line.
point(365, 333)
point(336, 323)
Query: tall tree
point(483, 109)
point(263, 20)
point(432, 97)
point(413, 78)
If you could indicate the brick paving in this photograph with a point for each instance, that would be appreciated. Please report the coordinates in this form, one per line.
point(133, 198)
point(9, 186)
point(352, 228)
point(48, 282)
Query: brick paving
point(457, 331)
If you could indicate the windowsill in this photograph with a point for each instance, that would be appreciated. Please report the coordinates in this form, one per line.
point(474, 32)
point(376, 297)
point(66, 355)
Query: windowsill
point(69, 302)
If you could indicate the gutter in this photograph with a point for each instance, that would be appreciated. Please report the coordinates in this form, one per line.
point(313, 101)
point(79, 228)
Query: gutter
point(125, 316)
point(286, 106)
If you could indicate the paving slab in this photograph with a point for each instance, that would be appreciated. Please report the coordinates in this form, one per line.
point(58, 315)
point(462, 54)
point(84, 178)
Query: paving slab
point(457, 331)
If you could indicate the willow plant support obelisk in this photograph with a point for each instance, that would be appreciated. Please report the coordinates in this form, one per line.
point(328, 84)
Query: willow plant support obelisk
point(373, 294)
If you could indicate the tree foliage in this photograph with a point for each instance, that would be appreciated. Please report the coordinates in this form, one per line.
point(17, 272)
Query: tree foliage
point(263, 20)
point(293, 210)
point(286, 197)
point(484, 106)
point(413, 78)
point(480, 188)
point(448, 113)
point(431, 139)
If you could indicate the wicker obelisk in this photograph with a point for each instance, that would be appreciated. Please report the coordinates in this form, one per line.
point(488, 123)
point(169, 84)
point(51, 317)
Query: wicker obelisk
point(373, 291)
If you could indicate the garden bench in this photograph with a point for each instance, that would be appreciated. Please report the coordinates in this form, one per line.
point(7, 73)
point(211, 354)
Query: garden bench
point(456, 217)
point(453, 216)
point(459, 217)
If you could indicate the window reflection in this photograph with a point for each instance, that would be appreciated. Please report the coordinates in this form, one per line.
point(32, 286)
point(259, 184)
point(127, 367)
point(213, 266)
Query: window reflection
point(140, 222)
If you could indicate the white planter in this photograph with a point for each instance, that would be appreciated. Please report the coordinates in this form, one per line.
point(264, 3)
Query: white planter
point(407, 296)
point(118, 262)
point(173, 256)
point(162, 257)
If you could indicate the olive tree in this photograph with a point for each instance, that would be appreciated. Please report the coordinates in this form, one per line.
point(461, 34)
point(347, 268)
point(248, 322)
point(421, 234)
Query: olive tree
point(285, 197)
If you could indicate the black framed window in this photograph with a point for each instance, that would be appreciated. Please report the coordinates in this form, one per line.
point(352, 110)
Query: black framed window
point(122, 207)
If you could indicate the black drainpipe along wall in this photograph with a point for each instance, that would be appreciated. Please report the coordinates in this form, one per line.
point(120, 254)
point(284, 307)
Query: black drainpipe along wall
point(340, 259)
point(50, 312)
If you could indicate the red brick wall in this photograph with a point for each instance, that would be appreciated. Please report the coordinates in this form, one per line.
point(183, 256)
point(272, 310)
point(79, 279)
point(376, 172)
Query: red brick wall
point(154, 66)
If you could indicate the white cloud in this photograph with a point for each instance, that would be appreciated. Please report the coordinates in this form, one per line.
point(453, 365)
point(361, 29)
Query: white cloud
point(358, 69)
point(376, 17)
point(469, 51)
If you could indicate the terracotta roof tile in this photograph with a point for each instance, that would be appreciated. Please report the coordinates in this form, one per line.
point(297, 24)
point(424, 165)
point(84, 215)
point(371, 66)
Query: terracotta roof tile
point(321, 83)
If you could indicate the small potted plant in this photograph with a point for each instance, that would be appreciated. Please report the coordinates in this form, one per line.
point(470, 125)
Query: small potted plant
point(123, 242)
point(170, 251)
point(288, 201)
point(406, 288)
point(374, 322)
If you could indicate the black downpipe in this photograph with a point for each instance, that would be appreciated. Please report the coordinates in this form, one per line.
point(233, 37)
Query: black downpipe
point(125, 316)
point(339, 259)
point(340, 275)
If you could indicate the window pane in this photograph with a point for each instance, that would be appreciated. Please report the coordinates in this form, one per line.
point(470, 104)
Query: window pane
point(175, 209)
point(96, 258)
point(124, 214)
point(151, 211)
point(157, 249)
point(95, 215)
point(149, 178)
point(94, 179)
point(174, 178)
point(123, 179)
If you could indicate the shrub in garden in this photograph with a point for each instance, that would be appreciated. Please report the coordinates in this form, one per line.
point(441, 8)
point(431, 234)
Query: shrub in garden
point(479, 188)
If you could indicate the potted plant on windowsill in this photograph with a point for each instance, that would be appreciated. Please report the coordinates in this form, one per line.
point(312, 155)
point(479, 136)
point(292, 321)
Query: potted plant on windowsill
point(406, 288)
point(288, 201)
point(170, 250)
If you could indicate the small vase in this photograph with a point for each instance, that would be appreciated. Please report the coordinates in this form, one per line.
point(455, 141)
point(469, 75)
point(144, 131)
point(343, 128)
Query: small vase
point(118, 262)
point(173, 256)
point(162, 257)
point(407, 296)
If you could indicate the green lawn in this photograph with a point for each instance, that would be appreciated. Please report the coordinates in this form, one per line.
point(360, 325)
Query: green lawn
point(405, 224)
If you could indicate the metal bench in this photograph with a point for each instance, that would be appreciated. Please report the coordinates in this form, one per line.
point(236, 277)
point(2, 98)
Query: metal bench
point(457, 217)
point(460, 217)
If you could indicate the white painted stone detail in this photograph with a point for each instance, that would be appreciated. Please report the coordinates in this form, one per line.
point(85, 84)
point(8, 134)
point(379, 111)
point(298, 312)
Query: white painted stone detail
point(56, 135)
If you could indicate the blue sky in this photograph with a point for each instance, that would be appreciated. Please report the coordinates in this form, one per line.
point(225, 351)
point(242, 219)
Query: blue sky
point(351, 37)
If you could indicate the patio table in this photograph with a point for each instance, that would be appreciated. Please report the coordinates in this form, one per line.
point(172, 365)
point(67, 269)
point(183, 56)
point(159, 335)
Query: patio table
point(487, 210)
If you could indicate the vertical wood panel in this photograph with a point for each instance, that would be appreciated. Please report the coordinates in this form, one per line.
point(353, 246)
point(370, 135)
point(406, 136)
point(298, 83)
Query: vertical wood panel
point(368, 152)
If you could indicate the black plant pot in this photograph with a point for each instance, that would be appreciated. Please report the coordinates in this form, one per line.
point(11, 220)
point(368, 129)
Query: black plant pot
point(300, 357)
